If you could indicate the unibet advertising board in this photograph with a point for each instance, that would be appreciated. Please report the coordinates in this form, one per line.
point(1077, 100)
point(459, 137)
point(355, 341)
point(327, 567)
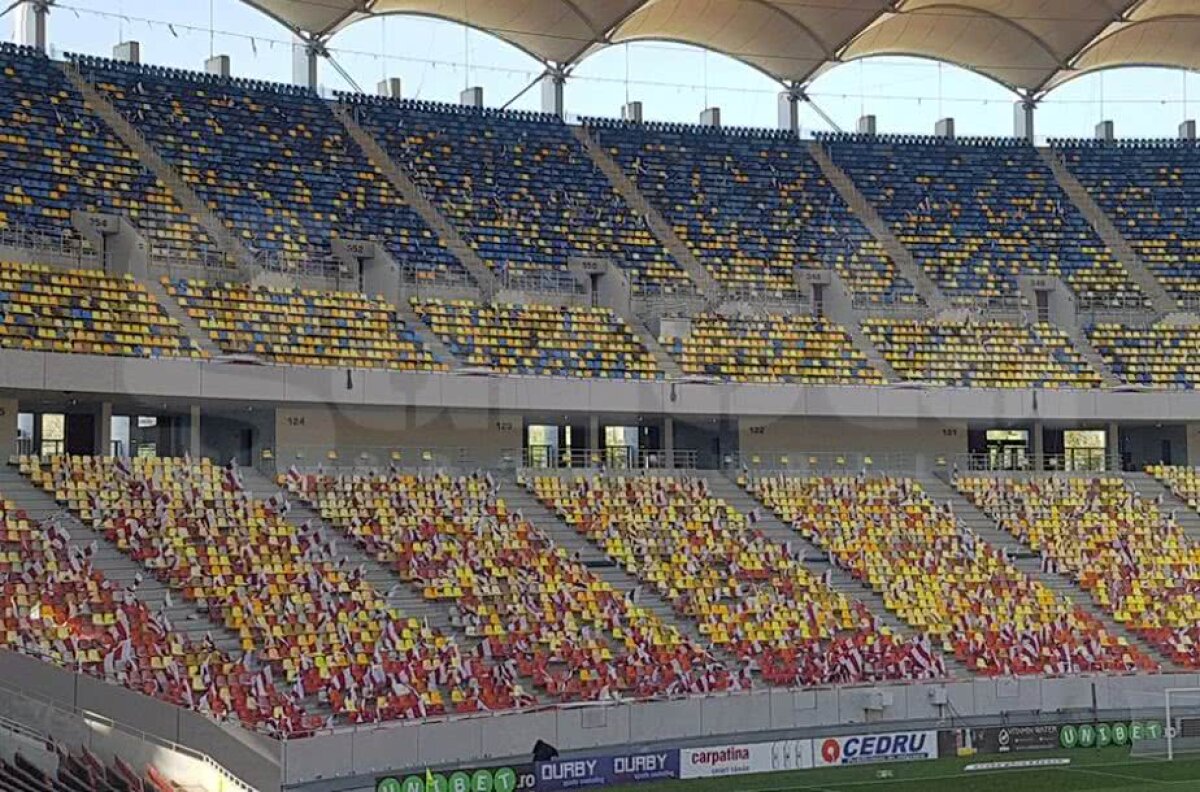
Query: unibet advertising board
point(1100, 735)
point(511, 778)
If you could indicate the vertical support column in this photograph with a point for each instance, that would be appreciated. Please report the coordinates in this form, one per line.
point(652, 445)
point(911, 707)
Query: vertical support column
point(789, 109)
point(8, 427)
point(1112, 445)
point(1023, 119)
point(668, 441)
point(553, 83)
point(1037, 438)
point(305, 53)
point(30, 23)
point(103, 429)
point(194, 431)
point(594, 433)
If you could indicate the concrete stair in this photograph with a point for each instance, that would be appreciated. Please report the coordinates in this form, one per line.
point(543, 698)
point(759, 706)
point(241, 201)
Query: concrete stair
point(1083, 345)
point(662, 357)
point(430, 339)
point(1139, 273)
point(1030, 563)
point(164, 171)
point(466, 255)
point(116, 565)
point(1150, 488)
point(862, 341)
point(596, 560)
point(397, 593)
point(190, 328)
point(862, 208)
point(816, 560)
point(972, 517)
point(1066, 588)
point(705, 284)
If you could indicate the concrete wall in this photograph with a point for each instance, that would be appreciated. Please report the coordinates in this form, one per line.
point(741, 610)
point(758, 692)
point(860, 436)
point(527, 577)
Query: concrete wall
point(351, 430)
point(345, 759)
point(763, 714)
point(923, 439)
point(78, 710)
point(190, 381)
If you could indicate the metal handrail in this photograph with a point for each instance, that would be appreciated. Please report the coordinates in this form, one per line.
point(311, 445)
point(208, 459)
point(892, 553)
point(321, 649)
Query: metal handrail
point(341, 458)
point(549, 281)
point(67, 243)
point(824, 461)
point(616, 458)
point(1016, 461)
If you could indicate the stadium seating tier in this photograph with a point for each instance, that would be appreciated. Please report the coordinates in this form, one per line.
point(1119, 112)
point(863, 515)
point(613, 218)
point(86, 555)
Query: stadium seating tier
point(566, 341)
point(58, 607)
point(280, 587)
point(989, 354)
point(752, 207)
point(977, 215)
point(541, 614)
point(84, 311)
point(942, 579)
point(1132, 558)
point(772, 349)
point(274, 163)
point(521, 190)
point(303, 327)
point(1149, 189)
point(56, 156)
point(1160, 356)
point(748, 595)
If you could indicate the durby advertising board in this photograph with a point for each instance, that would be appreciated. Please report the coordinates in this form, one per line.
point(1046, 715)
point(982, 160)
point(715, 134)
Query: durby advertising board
point(869, 748)
point(740, 759)
point(596, 771)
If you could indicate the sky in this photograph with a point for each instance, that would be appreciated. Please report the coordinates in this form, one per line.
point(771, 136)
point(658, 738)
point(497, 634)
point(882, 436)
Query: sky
point(435, 60)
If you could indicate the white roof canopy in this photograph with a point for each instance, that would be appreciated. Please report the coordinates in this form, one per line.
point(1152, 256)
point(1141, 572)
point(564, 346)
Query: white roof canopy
point(1030, 46)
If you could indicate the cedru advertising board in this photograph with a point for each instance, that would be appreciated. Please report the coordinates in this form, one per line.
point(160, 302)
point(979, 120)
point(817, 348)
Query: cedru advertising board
point(869, 748)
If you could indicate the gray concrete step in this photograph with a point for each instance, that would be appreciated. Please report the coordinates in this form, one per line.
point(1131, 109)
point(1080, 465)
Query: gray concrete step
point(191, 203)
point(815, 559)
point(378, 156)
point(906, 265)
point(1138, 271)
point(396, 592)
point(599, 563)
point(705, 284)
point(1150, 488)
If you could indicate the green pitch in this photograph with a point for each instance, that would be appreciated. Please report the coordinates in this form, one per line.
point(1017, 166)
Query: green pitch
point(1108, 769)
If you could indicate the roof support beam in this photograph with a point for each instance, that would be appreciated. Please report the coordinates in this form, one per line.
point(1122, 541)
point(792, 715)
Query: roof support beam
point(306, 54)
point(1024, 112)
point(554, 80)
point(30, 24)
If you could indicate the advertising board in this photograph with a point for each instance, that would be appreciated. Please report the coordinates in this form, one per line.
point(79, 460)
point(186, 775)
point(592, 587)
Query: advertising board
point(742, 758)
point(502, 778)
point(870, 748)
point(594, 771)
